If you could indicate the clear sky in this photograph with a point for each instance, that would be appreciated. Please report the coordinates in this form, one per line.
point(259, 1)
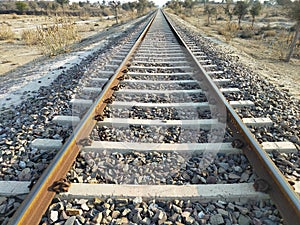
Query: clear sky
point(160, 3)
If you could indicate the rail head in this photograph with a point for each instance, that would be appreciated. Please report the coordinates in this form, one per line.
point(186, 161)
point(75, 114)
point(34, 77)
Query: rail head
point(271, 179)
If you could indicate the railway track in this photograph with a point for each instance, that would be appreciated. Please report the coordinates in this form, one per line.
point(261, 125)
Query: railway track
point(156, 142)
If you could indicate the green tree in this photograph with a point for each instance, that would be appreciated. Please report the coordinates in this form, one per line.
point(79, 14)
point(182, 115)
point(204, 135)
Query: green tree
point(33, 5)
point(294, 13)
point(189, 4)
point(240, 9)
point(141, 6)
point(81, 4)
point(62, 3)
point(209, 10)
point(54, 6)
point(126, 6)
point(74, 6)
point(129, 6)
point(255, 10)
point(115, 5)
point(228, 9)
point(174, 5)
point(151, 4)
point(44, 5)
point(283, 2)
point(21, 6)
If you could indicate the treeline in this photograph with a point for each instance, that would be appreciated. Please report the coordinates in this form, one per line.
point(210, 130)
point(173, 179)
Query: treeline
point(59, 7)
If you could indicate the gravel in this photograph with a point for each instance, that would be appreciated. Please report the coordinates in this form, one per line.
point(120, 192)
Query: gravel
point(159, 77)
point(161, 86)
point(160, 98)
point(160, 168)
point(20, 125)
point(158, 134)
point(278, 105)
point(136, 112)
point(8, 205)
point(153, 211)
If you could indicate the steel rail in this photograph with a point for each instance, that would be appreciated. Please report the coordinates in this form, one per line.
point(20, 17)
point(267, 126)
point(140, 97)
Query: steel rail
point(37, 201)
point(271, 179)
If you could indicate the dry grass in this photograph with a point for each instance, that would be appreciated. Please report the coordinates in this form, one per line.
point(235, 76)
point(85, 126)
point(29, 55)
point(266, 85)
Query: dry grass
point(30, 37)
point(54, 39)
point(229, 31)
point(270, 33)
point(280, 44)
point(263, 52)
point(10, 16)
point(6, 33)
point(85, 27)
point(271, 39)
point(16, 52)
point(57, 38)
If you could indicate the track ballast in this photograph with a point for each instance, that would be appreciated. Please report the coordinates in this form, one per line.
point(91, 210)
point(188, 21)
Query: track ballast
point(158, 143)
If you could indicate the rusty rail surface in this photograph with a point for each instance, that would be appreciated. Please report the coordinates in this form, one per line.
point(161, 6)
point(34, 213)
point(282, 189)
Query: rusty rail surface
point(271, 179)
point(36, 203)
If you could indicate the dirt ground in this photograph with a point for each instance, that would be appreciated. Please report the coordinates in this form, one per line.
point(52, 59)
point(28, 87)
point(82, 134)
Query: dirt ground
point(14, 52)
point(254, 53)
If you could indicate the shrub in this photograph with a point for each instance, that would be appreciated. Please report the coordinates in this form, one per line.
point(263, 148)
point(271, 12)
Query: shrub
point(280, 44)
point(30, 37)
point(14, 16)
point(229, 31)
point(247, 33)
point(6, 33)
point(57, 38)
point(270, 33)
point(54, 39)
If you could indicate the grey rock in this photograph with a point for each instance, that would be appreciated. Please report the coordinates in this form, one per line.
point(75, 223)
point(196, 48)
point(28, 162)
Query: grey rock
point(222, 212)
point(137, 217)
point(233, 176)
point(244, 220)
point(70, 220)
point(22, 164)
point(269, 222)
point(146, 221)
point(216, 219)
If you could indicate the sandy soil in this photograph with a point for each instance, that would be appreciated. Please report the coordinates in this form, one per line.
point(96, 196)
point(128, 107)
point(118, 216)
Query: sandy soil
point(14, 53)
point(256, 54)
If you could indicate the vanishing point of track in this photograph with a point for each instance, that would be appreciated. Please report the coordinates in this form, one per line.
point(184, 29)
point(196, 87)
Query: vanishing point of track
point(159, 72)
